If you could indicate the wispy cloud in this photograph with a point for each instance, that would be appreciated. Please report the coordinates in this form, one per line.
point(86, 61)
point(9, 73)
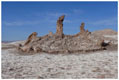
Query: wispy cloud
point(105, 22)
point(71, 11)
point(67, 21)
point(49, 17)
point(77, 11)
point(53, 16)
point(20, 23)
point(56, 14)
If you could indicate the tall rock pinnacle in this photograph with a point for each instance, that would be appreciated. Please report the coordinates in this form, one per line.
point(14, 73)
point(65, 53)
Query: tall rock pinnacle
point(59, 30)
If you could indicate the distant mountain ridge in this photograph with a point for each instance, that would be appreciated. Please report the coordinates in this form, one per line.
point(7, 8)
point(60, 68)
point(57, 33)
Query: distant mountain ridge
point(7, 41)
point(105, 32)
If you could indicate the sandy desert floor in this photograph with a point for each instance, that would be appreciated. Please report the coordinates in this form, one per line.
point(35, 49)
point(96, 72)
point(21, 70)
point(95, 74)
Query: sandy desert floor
point(100, 64)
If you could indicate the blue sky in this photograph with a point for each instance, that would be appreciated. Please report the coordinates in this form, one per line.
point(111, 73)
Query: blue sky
point(20, 19)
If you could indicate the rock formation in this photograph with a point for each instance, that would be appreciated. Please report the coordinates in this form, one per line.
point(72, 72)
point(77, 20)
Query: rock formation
point(28, 44)
point(82, 30)
point(59, 42)
point(50, 34)
point(31, 37)
point(59, 31)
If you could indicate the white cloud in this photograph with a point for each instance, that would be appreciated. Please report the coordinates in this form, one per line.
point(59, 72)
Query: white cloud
point(20, 23)
point(56, 14)
point(67, 21)
point(106, 22)
point(53, 16)
point(77, 11)
point(49, 17)
point(12, 23)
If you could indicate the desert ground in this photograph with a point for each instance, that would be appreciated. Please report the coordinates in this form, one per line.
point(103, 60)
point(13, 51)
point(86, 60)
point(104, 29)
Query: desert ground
point(98, 64)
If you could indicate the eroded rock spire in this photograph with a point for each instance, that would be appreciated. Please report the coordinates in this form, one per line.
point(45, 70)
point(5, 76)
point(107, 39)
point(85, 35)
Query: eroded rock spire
point(82, 30)
point(59, 31)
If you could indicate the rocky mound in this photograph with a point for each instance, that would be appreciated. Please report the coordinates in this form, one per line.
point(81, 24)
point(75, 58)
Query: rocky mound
point(105, 32)
point(59, 42)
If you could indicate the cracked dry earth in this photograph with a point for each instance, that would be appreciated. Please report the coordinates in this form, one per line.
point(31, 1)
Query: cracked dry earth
point(100, 64)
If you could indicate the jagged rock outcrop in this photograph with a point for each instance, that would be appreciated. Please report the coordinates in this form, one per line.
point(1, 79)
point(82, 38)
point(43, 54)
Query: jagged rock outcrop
point(59, 42)
point(31, 38)
point(27, 47)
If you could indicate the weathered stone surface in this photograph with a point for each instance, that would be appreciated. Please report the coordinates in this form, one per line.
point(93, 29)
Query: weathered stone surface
point(59, 31)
